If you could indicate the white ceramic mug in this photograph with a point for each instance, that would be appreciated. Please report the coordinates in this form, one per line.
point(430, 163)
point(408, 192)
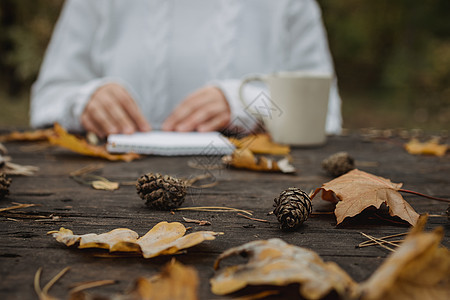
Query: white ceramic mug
point(299, 102)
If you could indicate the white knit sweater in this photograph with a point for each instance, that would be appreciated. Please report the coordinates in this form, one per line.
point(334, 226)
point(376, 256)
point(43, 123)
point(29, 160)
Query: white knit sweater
point(162, 50)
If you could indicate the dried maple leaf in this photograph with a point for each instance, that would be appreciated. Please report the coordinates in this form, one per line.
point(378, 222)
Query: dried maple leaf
point(358, 190)
point(260, 144)
point(64, 139)
point(245, 159)
point(431, 147)
point(175, 282)
point(163, 239)
point(274, 262)
point(419, 269)
point(35, 135)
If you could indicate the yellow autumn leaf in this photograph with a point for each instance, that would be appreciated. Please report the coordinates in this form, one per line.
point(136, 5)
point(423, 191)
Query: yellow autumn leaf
point(163, 239)
point(274, 262)
point(245, 159)
point(431, 147)
point(419, 269)
point(35, 135)
point(175, 282)
point(260, 144)
point(69, 141)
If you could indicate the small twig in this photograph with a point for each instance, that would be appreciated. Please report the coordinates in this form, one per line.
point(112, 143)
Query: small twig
point(322, 213)
point(17, 206)
point(376, 241)
point(216, 209)
point(423, 195)
point(254, 219)
point(91, 284)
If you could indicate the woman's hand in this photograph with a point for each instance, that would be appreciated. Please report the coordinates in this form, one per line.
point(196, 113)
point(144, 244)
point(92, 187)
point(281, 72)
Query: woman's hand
point(112, 110)
point(206, 109)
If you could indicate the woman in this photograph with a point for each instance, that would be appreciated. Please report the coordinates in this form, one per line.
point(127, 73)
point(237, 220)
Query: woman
point(121, 67)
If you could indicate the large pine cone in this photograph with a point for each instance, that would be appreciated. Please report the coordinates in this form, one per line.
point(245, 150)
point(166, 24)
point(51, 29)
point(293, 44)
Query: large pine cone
point(4, 186)
point(292, 208)
point(161, 192)
point(338, 164)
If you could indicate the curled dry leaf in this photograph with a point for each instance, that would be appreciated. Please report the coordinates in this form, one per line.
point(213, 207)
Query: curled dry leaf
point(66, 140)
point(163, 239)
point(35, 135)
point(245, 159)
point(431, 147)
point(175, 282)
point(274, 262)
point(358, 190)
point(419, 269)
point(260, 144)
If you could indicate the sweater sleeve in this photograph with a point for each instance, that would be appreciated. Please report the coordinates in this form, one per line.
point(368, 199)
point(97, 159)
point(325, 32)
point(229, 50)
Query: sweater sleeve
point(67, 78)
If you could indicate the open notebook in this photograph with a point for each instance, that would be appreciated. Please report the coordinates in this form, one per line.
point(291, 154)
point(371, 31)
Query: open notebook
point(170, 143)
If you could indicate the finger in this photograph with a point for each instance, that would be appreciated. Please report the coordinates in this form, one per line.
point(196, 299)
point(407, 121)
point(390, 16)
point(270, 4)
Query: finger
point(89, 125)
point(132, 110)
point(101, 119)
point(121, 119)
point(184, 110)
point(199, 116)
point(217, 123)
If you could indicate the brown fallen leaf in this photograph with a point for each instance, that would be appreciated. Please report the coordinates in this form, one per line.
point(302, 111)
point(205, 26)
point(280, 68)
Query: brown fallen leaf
point(245, 159)
point(274, 262)
point(163, 239)
point(431, 147)
point(358, 190)
point(260, 144)
point(175, 282)
point(419, 269)
point(66, 140)
point(34, 135)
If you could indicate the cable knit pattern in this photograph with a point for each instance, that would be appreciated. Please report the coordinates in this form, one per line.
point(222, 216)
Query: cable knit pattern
point(224, 38)
point(160, 27)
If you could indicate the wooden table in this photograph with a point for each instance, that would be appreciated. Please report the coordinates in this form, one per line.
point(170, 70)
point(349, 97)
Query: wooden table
point(24, 245)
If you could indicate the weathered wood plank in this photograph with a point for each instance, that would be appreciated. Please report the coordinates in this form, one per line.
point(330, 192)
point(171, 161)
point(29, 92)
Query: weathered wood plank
point(24, 245)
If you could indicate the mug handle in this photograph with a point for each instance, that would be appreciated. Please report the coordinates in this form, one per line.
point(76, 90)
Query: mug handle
point(241, 90)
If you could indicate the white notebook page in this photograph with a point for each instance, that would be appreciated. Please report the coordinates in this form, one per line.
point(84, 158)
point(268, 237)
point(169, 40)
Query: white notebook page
point(170, 143)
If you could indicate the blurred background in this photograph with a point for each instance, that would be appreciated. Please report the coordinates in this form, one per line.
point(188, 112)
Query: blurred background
point(392, 59)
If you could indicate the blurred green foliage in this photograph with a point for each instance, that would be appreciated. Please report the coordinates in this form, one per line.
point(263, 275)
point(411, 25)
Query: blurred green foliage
point(26, 30)
point(393, 51)
point(392, 56)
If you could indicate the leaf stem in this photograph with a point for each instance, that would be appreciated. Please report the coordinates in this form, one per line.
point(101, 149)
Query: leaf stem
point(423, 195)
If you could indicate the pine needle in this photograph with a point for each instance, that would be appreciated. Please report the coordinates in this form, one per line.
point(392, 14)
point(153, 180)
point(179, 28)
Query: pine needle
point(90, 284)
point(382, 239)
point(17, 206)
point(253, 219)
point(43, 293)
point(377, 242)
point(215, 209)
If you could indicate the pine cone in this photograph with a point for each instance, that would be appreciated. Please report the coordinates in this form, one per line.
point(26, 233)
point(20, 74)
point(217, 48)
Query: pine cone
point(292, 208)
point(4, 186)
point(338, 164)
point(161, 192)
